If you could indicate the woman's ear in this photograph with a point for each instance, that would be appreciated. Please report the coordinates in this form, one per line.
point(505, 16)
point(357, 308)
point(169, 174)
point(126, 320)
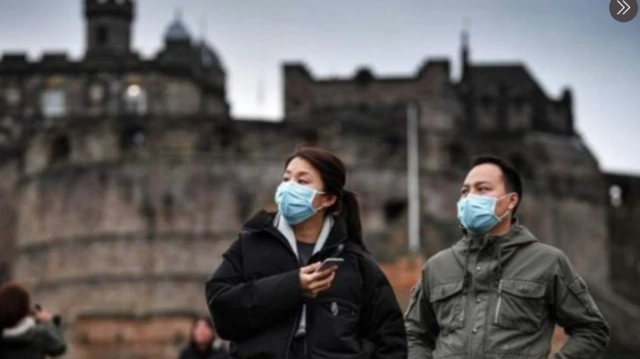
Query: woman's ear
point(331, 200)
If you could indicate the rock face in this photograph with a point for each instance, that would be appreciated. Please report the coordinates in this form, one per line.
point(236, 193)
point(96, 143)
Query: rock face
point(123, 180)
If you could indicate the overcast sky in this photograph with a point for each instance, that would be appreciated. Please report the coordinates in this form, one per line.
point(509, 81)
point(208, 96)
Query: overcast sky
point(572, 43)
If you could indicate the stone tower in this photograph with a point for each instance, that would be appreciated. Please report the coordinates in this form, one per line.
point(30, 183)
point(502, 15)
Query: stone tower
point(111, 176)
point(108, 27)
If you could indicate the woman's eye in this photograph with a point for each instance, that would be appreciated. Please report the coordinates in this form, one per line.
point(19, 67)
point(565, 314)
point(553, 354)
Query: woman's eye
point(285, 179)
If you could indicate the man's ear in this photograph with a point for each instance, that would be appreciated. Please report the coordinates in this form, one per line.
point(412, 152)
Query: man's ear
point(514, 199)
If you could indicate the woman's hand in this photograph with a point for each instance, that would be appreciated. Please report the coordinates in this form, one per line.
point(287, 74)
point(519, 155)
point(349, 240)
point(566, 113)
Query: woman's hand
point(312, 282)
point(43, 316)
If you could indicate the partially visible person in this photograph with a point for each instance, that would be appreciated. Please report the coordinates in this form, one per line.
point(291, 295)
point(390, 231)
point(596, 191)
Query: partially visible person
point(204, 343)
point(499, 292)
point(27, 333)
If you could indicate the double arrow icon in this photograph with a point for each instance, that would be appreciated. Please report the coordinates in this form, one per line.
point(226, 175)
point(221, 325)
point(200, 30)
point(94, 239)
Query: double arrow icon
point(623, 7)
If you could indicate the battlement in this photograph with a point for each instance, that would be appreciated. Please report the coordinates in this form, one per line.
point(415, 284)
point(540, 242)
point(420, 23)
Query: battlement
point(14, 58)
point(117, 8)
point(304, 92)
point(296, 69)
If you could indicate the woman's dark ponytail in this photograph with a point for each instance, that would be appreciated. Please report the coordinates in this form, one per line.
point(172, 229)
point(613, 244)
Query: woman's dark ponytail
point(350, 212)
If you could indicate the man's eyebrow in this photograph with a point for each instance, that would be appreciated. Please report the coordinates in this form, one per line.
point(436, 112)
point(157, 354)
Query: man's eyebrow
point(477, 183)
point(482, 182)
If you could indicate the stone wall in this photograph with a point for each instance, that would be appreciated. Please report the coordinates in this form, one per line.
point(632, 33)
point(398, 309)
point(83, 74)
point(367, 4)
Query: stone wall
point(624, 215)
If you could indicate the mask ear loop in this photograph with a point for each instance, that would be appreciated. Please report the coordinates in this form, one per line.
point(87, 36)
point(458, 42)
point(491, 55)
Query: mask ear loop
point(508, 209)
point(315, 210)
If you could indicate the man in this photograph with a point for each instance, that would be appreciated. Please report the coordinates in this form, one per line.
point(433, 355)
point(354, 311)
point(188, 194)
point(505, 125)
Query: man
point(498, 292)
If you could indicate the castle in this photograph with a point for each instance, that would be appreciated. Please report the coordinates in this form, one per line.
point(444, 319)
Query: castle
point(123, 179)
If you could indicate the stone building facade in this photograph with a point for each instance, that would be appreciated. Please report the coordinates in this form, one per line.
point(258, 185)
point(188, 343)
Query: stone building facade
point(123, 179)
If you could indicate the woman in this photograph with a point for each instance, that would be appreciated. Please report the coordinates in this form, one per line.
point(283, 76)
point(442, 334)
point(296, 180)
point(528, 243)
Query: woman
point(26, 335)
point(268, 296)
point(202, 343)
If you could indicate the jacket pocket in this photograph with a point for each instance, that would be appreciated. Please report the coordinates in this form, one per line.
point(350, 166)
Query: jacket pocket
point(448, 303)
point(520, 305)
point(333, 326)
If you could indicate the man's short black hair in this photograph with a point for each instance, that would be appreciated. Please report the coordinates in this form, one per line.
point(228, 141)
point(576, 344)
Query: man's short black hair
point(512, 179)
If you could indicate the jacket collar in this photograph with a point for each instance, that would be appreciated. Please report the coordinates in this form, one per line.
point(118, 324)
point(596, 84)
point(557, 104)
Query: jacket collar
point(264, 221)
point(287, 231)
point(20, 329)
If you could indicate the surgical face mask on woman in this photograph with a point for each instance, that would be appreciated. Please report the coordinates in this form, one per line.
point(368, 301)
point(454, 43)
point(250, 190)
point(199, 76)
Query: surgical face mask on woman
point(477, 213)
point(295, 202)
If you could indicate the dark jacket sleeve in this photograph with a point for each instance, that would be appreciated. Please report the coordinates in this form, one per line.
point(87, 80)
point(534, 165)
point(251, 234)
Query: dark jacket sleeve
point(241, 308)
point(420, 320)
point(52, 340)
point(381, 319)
point(576, 311)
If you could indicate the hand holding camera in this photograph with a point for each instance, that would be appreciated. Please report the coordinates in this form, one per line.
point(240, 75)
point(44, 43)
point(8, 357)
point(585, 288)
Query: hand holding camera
point(44, 316)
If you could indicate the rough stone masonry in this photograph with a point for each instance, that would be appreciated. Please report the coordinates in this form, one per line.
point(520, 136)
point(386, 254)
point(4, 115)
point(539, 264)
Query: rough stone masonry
point(123, 179)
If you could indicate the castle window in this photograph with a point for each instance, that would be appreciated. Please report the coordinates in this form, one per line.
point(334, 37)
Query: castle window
point(615, 195)
point(135, 100)
point(132, 138)
point(392, 142)
point(295, 103)
point(53, 102)
point(102, 35)
point(394, 209)
point(96, 94)
point(519, 103)
point(12, 96)
point(487, 102)
point(60, 150)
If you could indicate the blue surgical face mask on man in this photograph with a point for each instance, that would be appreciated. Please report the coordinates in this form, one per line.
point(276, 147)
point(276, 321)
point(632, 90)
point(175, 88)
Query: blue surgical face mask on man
point(477, 213)
point(295, 202)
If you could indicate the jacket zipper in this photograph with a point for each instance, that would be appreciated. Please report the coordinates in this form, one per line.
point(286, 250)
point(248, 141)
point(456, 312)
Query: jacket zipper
point(293, 334)
point(298, 316)
point(499, 302)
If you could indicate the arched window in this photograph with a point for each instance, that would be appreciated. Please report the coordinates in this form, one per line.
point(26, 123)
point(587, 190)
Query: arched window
point(13, 96)
point(616, 195)
point(132, 138)
point(97, 93)
point(135, 100)
point(102, 35)
point(53, 102)
point(60, 150)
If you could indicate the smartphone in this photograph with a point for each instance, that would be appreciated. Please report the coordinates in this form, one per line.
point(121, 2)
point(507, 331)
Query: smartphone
point(329, 262)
